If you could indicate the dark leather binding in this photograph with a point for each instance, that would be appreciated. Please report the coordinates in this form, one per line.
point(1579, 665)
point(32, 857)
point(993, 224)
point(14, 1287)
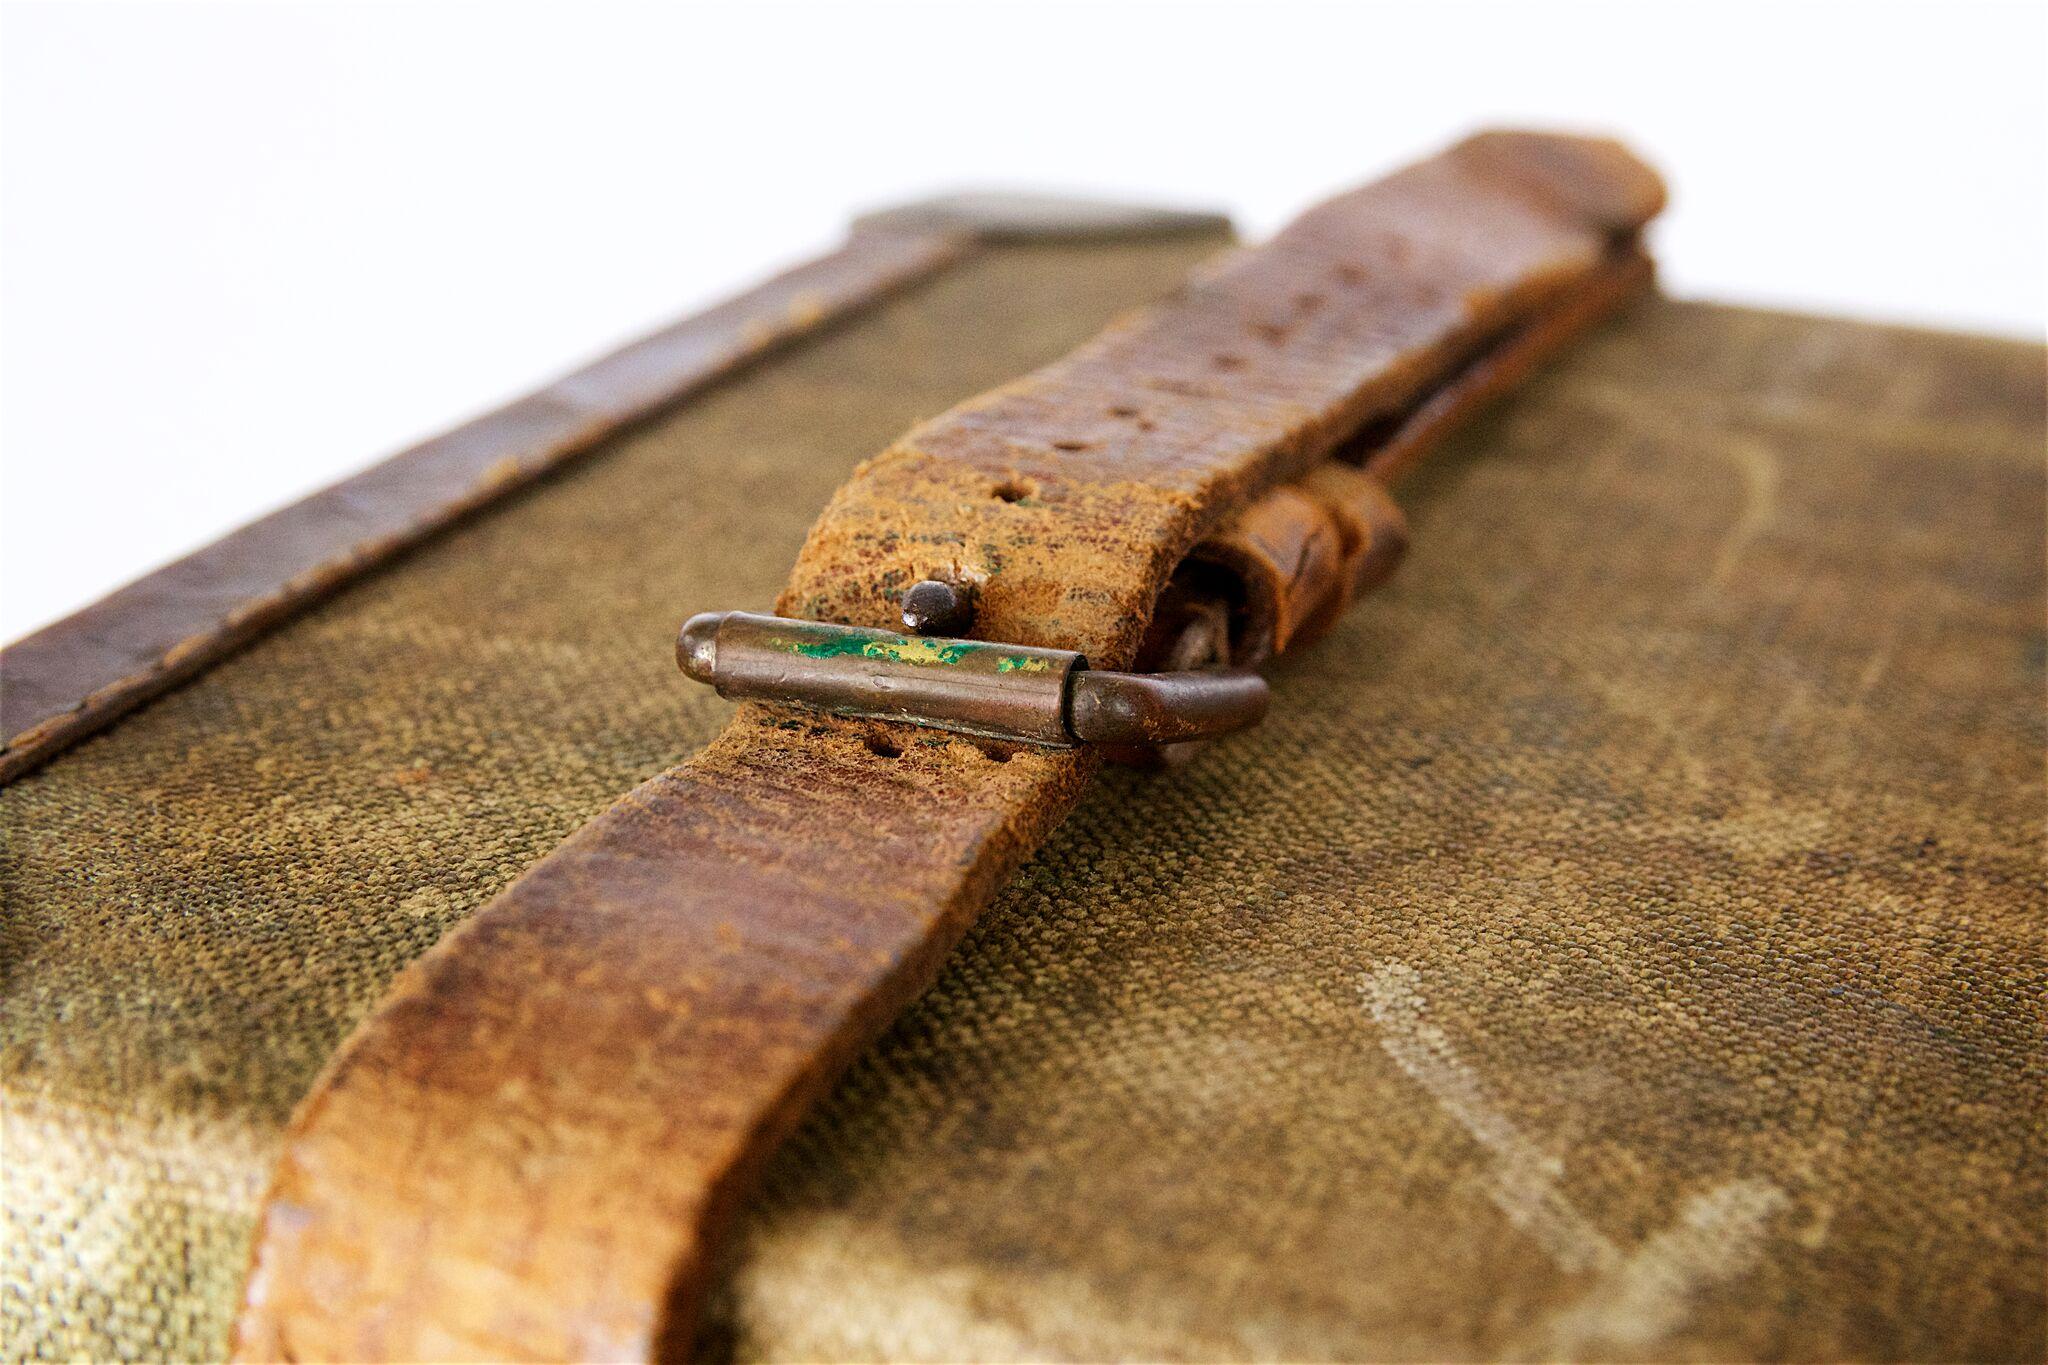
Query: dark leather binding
point(82, 673)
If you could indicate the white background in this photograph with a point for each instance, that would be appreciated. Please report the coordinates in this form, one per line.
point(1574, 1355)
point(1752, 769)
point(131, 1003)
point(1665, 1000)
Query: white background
point(245, 249)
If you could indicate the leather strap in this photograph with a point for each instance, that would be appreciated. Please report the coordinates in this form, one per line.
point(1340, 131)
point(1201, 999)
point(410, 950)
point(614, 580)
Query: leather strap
point(1071, 494)
point(529, 1149)
point(73, 678)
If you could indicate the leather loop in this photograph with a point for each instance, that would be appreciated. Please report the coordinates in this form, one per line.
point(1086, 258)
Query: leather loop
point(1285, 562)
point(1372, 533)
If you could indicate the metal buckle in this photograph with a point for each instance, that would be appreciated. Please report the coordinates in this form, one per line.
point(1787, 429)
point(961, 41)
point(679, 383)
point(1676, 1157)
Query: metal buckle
point(1013, 692)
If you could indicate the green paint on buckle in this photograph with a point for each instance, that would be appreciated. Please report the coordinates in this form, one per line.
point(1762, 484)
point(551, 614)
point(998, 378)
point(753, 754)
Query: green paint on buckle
point(918, 651)
point(833, 647)
point(901, 651)
point(847, 642)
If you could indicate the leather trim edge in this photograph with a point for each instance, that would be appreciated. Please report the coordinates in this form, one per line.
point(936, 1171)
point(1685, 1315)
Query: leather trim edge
point(1003, 216)
point(75, 677)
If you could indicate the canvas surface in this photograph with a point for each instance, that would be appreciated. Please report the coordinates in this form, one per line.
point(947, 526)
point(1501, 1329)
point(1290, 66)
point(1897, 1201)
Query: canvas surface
point(201, 902)
point(1624, 939)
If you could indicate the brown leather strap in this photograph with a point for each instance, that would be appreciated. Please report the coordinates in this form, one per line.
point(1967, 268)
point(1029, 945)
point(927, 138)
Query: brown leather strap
point(1071, 494)
point(77, 676)
point(528, 1151)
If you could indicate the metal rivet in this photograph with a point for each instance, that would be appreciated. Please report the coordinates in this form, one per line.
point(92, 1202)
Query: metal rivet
point(933, 607)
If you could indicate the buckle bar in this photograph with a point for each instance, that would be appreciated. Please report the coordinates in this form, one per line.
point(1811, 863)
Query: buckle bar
point(1014, 692)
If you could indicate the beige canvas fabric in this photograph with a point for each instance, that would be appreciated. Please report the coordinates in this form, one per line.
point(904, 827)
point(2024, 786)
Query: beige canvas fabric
point(201, 902)
point(1623, 940)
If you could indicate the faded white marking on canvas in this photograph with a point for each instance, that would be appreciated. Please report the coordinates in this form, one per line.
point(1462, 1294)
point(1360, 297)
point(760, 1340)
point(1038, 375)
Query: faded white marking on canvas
point(1638, 1297)
point(1525, 1178)
point(1648, 1295)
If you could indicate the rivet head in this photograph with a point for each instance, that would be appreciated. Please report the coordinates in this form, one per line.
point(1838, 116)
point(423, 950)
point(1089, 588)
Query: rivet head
point(933, 607)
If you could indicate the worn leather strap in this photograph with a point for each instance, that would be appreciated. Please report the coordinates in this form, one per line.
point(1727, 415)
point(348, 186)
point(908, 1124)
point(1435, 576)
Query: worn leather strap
point(529, 1149)
point(77, 676)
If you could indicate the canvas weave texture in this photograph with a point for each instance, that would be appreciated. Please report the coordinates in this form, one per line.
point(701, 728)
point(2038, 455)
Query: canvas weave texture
point(200, 903)
point(1624, 939)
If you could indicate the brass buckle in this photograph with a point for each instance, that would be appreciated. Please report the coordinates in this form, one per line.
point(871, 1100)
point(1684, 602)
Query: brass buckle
point(1013, 692)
